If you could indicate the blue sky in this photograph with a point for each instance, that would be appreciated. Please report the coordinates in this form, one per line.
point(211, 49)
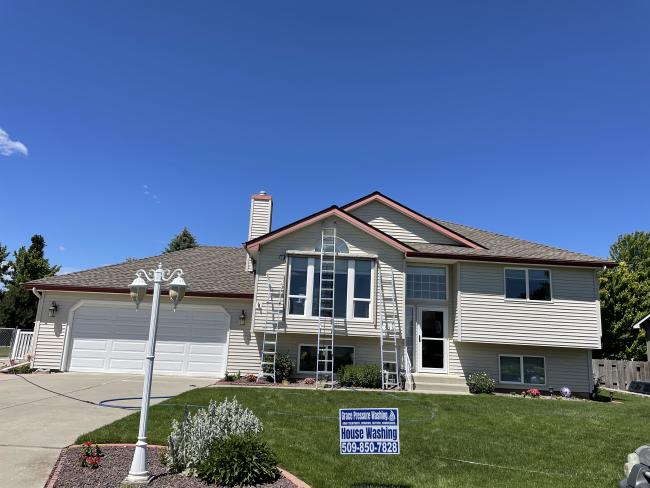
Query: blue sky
point(530, 119)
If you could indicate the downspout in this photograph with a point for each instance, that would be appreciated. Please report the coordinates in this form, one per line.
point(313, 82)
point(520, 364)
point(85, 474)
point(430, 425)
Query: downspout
point(37, 323)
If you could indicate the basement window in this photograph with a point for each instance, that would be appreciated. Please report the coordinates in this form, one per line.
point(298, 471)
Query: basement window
point(529, 370)
point(343, 355)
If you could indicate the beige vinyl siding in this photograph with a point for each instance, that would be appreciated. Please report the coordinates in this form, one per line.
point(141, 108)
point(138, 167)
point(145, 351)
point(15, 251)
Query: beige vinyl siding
point(571, 319)
point(398, 225)
point(51, 332)
point(259, 223)
point(272, 266)
point(564, 366)
point(366, 349)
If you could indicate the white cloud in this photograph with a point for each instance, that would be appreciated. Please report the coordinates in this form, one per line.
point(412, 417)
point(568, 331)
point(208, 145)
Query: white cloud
point(147, 193)
point(8, 147)
point(61, 248)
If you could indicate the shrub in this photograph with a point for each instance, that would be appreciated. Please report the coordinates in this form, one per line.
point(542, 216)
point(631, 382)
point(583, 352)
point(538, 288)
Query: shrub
point(481, 382)
point(533, 392)
point(229, 377)
point(189, 441)
point(24, 369)
point(238, 461)
point(362, 376)
point(310, 380)
point(91, 455)
point(284, 366)
point(251, 377)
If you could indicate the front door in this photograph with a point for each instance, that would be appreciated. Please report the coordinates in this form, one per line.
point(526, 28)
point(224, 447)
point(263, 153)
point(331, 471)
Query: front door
point(432, 339)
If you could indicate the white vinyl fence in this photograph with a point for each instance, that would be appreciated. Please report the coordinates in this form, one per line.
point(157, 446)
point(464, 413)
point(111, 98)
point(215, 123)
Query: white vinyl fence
point(22, 344)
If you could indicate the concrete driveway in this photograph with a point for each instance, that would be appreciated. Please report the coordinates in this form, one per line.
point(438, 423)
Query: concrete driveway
point(36, 424)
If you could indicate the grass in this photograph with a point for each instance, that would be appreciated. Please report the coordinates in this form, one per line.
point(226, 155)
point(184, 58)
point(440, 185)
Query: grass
point(4, 351)
point(532, 442)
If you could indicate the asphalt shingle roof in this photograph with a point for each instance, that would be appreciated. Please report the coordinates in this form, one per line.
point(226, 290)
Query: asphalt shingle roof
point(498, 245)
point(208, 270)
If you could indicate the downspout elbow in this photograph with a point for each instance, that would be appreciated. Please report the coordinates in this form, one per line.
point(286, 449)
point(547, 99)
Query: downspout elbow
point(37, 293)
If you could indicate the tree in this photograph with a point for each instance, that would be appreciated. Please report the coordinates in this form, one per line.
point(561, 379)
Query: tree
point(625, 297)
point(18, 305)
point(184, 240)
point(4, 269)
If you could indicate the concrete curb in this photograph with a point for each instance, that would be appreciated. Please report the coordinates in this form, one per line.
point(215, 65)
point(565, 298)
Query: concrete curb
point(54, 474)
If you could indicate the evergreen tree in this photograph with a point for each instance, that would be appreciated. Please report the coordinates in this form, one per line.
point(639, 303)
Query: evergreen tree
point(4, 268)
point(18, 305)
point(184, 240)
point(625, 297)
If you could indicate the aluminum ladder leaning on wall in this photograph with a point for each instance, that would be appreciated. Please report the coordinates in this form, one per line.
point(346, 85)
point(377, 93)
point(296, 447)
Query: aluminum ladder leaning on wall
point(327, 281)
point(273, 309)
point(389, 331)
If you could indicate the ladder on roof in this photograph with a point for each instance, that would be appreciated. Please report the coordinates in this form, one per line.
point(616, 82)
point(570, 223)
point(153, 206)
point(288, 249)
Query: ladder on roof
point(389, 332)
point(325, 349)
point(273, 310)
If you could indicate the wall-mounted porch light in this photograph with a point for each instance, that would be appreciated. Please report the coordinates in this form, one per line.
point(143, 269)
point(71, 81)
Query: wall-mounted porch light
point(242, 318)
point(52, 310)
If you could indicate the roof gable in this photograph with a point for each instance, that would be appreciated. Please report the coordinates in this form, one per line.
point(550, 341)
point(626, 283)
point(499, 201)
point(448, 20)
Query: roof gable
point(455, 237)
point(332, 211)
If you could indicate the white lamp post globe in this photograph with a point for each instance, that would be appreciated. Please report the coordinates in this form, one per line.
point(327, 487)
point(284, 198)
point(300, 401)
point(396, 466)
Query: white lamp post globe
point(138, 290)
point(177, 290)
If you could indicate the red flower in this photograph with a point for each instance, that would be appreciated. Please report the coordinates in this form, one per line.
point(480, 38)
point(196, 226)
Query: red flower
point(88, 444)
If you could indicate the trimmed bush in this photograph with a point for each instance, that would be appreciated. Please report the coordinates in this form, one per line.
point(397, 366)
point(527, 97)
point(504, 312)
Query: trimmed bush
point(481, 382)
point(239, 461)
point(284, 367)
point(361, 376)
point(190, 441)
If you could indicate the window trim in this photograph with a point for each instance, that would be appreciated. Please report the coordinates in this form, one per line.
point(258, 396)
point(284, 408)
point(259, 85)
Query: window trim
point(349, 305)
point(521, 369)
point(429, 300)
point(527, 299)
point(354, 355)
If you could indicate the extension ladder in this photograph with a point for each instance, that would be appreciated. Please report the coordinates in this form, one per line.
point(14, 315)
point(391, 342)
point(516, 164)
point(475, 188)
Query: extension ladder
point(325, 348)
point(273, 313)
point(389, 332)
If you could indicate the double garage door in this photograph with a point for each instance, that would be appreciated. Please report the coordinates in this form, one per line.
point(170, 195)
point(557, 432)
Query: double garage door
point(112, 337)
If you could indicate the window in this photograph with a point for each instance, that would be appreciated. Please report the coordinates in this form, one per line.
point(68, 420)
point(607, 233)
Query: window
point(426, 282)
point(529, 370)
point(352, 290)
point(298, 286)
point(528, 284)
point(343, 355)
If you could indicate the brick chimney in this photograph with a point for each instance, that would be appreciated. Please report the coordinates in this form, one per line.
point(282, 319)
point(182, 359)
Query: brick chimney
point(260, 219)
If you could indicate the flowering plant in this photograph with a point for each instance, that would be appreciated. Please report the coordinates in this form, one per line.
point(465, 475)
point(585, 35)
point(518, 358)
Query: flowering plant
point(91, 455)
point(310, 381)
point(251, 377)
point(534, 392)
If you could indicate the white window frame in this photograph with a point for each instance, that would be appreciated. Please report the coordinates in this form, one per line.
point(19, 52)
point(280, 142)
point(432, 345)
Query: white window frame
point(354, 354)
point(527, 299)
point(521, 369)
point(431, 300)
point(349, 306)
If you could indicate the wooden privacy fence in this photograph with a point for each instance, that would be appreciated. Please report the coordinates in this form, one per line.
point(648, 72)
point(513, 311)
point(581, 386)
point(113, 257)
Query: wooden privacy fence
point(618, 374)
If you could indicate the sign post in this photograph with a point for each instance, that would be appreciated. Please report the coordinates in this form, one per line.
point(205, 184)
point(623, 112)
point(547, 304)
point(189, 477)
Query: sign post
point(369, 431)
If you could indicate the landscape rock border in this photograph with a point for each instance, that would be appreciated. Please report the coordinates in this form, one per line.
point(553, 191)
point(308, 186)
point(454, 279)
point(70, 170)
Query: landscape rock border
point(54, 474)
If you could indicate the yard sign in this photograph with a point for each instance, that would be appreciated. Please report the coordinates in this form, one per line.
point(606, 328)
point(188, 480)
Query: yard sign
point(369, 430)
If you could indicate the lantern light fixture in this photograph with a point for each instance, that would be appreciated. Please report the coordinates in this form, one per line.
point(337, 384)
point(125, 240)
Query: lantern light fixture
point(52, 310)
point(138, 290)
point(242, 318)
point(177, 290)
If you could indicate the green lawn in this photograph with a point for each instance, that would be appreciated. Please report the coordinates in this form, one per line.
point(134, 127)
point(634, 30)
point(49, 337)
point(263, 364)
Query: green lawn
point(4, 351)
point(532, 442)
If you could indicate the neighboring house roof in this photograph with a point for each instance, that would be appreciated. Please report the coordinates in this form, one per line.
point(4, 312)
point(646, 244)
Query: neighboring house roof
point(497, 247)
point(208, 271)
point(641, 322)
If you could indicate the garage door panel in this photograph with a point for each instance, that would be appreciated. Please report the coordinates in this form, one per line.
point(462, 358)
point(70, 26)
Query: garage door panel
point(112, 338)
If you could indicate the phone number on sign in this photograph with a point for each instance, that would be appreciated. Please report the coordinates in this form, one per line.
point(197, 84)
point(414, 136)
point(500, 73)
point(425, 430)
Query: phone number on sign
point(373, 447)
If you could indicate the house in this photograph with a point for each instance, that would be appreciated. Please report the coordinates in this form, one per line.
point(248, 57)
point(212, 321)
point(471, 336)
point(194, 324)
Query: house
point(644, 324)
point(382, 283)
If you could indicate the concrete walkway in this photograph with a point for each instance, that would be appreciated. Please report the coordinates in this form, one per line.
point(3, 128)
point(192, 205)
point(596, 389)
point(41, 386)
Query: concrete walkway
point(37, 424)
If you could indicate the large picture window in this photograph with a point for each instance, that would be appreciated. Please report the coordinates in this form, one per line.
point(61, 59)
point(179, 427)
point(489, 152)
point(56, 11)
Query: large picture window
point(528, 284)
point(529, 370)
point(426, 282)
point(343, 355)
point(352, 290)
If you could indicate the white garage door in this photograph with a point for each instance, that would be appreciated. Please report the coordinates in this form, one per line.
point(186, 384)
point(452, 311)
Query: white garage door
point(111, 337)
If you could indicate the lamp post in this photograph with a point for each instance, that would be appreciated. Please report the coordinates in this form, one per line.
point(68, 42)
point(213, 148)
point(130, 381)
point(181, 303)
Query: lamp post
point(139, 472)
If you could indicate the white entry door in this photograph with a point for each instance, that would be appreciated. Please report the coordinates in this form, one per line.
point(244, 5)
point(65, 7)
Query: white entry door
point(111, 337)
point(432, 344)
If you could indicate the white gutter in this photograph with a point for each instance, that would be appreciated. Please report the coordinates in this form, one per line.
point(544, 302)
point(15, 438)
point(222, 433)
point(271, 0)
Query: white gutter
point(38, 294)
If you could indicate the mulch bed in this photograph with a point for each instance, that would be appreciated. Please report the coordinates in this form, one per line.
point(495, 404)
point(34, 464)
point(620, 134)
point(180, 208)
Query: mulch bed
point(243, 381)
point(115, 466)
